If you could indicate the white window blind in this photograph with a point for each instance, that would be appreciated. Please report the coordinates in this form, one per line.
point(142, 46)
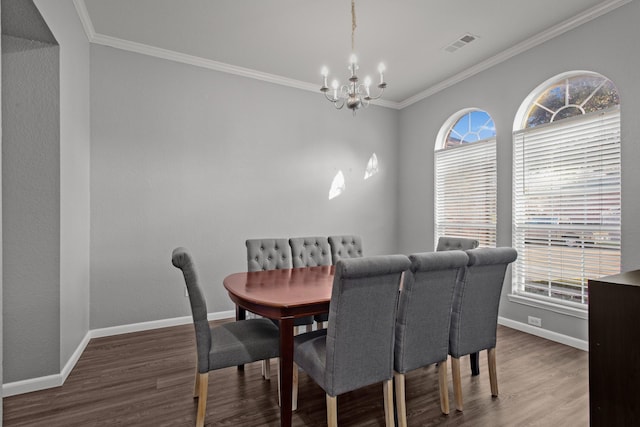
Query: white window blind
point(566, 183)
point(465, 192)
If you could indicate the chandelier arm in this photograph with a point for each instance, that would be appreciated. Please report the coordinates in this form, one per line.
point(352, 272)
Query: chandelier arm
point(341, 104)
point(330, 98)
point(379, 95)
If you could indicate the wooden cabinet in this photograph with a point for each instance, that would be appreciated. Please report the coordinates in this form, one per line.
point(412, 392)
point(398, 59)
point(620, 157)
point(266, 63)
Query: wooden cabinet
point(614, 350)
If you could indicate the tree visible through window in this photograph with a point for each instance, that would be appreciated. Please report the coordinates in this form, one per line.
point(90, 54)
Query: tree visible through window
point(567, 189)
point(465, 178)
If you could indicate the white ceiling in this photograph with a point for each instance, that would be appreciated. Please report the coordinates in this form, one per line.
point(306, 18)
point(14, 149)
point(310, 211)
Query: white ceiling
point(288, 41)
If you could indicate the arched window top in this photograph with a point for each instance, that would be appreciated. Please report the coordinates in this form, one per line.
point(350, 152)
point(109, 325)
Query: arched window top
point(464, 127)
point(567, 95)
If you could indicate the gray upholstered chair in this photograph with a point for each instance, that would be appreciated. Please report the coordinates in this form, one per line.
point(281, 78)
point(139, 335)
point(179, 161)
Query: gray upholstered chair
point(273, 254)
point(345, 247)
point(311, 252)
point(474, 317)
point(447, 243)
point(351, 353)
point(268, 254)
point(424, 316)
point(226, 345)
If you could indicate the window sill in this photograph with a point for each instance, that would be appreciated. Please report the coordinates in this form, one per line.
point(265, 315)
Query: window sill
point(550, 306)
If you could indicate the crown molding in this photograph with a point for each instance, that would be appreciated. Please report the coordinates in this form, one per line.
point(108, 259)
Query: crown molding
point(83, 14)
point(521, 47)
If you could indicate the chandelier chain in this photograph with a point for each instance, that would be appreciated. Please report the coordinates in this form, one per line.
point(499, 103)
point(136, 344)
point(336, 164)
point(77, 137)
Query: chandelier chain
point(353, 25)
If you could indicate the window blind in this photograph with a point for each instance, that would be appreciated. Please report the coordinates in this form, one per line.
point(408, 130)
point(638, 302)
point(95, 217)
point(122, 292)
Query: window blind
point(465, 192)
point(566, 212)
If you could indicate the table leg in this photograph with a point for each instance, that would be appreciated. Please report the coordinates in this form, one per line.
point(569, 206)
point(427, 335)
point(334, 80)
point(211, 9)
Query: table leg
point(241, 314)
point(286, 370)
point(474, 360)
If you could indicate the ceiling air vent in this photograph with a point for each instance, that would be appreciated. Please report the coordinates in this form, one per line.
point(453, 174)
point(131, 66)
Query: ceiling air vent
point(461, 42)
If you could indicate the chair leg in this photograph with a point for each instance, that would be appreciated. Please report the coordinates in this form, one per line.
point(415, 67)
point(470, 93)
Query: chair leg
point(196, 386)
point(457, 382)
point(266, 369)
point(332, 411)
point(401, 403)
point(493, 375)
point(320, 325)
point(294, 388)
point(444, 387)
point(387, 389)
point(202, 399)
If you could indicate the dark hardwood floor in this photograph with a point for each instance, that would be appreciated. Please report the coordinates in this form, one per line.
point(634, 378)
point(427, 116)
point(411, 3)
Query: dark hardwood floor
point(146, 379)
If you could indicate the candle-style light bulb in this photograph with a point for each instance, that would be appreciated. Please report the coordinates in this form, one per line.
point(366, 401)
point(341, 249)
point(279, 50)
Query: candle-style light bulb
point(335, 85)
point(367, 84)
point(325, 73)
point(381, 69)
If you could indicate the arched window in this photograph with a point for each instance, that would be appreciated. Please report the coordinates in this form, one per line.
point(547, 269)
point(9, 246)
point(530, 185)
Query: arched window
point(566, 189)
point(465, 177)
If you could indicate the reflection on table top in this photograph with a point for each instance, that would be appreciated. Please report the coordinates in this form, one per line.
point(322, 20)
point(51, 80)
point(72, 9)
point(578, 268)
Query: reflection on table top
point(282, 288)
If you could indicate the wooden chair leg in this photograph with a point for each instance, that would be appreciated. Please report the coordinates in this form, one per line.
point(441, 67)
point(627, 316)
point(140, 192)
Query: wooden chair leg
point(320, 325)
point(332, 411)
point(203, 381)
point(457, 382)
point(196, 385)
point(266, 369)
point(493, 375)
point(401, 403)
point(294, 388)
point(387, 389)
point(444, 387)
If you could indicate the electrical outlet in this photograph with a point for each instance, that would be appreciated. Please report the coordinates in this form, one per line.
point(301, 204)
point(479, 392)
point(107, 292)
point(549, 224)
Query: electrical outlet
point(535, 321)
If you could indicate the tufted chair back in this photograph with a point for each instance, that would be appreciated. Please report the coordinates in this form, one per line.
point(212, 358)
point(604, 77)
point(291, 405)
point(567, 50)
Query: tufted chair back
point(268, 254)
point(446, 243)
point(345, 247)
point(310, 251)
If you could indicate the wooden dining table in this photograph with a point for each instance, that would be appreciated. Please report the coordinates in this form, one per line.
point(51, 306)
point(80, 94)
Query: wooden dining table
point(282, 295)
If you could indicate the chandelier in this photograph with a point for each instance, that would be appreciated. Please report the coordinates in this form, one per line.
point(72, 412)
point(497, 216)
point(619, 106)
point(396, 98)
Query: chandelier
point(352, 94)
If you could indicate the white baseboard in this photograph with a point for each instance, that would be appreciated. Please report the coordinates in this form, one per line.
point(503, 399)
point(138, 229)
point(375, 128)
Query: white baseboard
point(544, 333)
point(56, 380)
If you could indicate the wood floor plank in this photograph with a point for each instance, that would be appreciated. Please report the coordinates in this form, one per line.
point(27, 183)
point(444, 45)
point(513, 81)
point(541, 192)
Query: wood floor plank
point(146, 379)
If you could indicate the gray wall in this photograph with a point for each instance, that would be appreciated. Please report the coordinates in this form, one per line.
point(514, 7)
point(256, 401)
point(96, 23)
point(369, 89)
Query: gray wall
point(607, 45)
point(31, 208)
point(62, 20)
point(187, 156)
point(45, 187)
